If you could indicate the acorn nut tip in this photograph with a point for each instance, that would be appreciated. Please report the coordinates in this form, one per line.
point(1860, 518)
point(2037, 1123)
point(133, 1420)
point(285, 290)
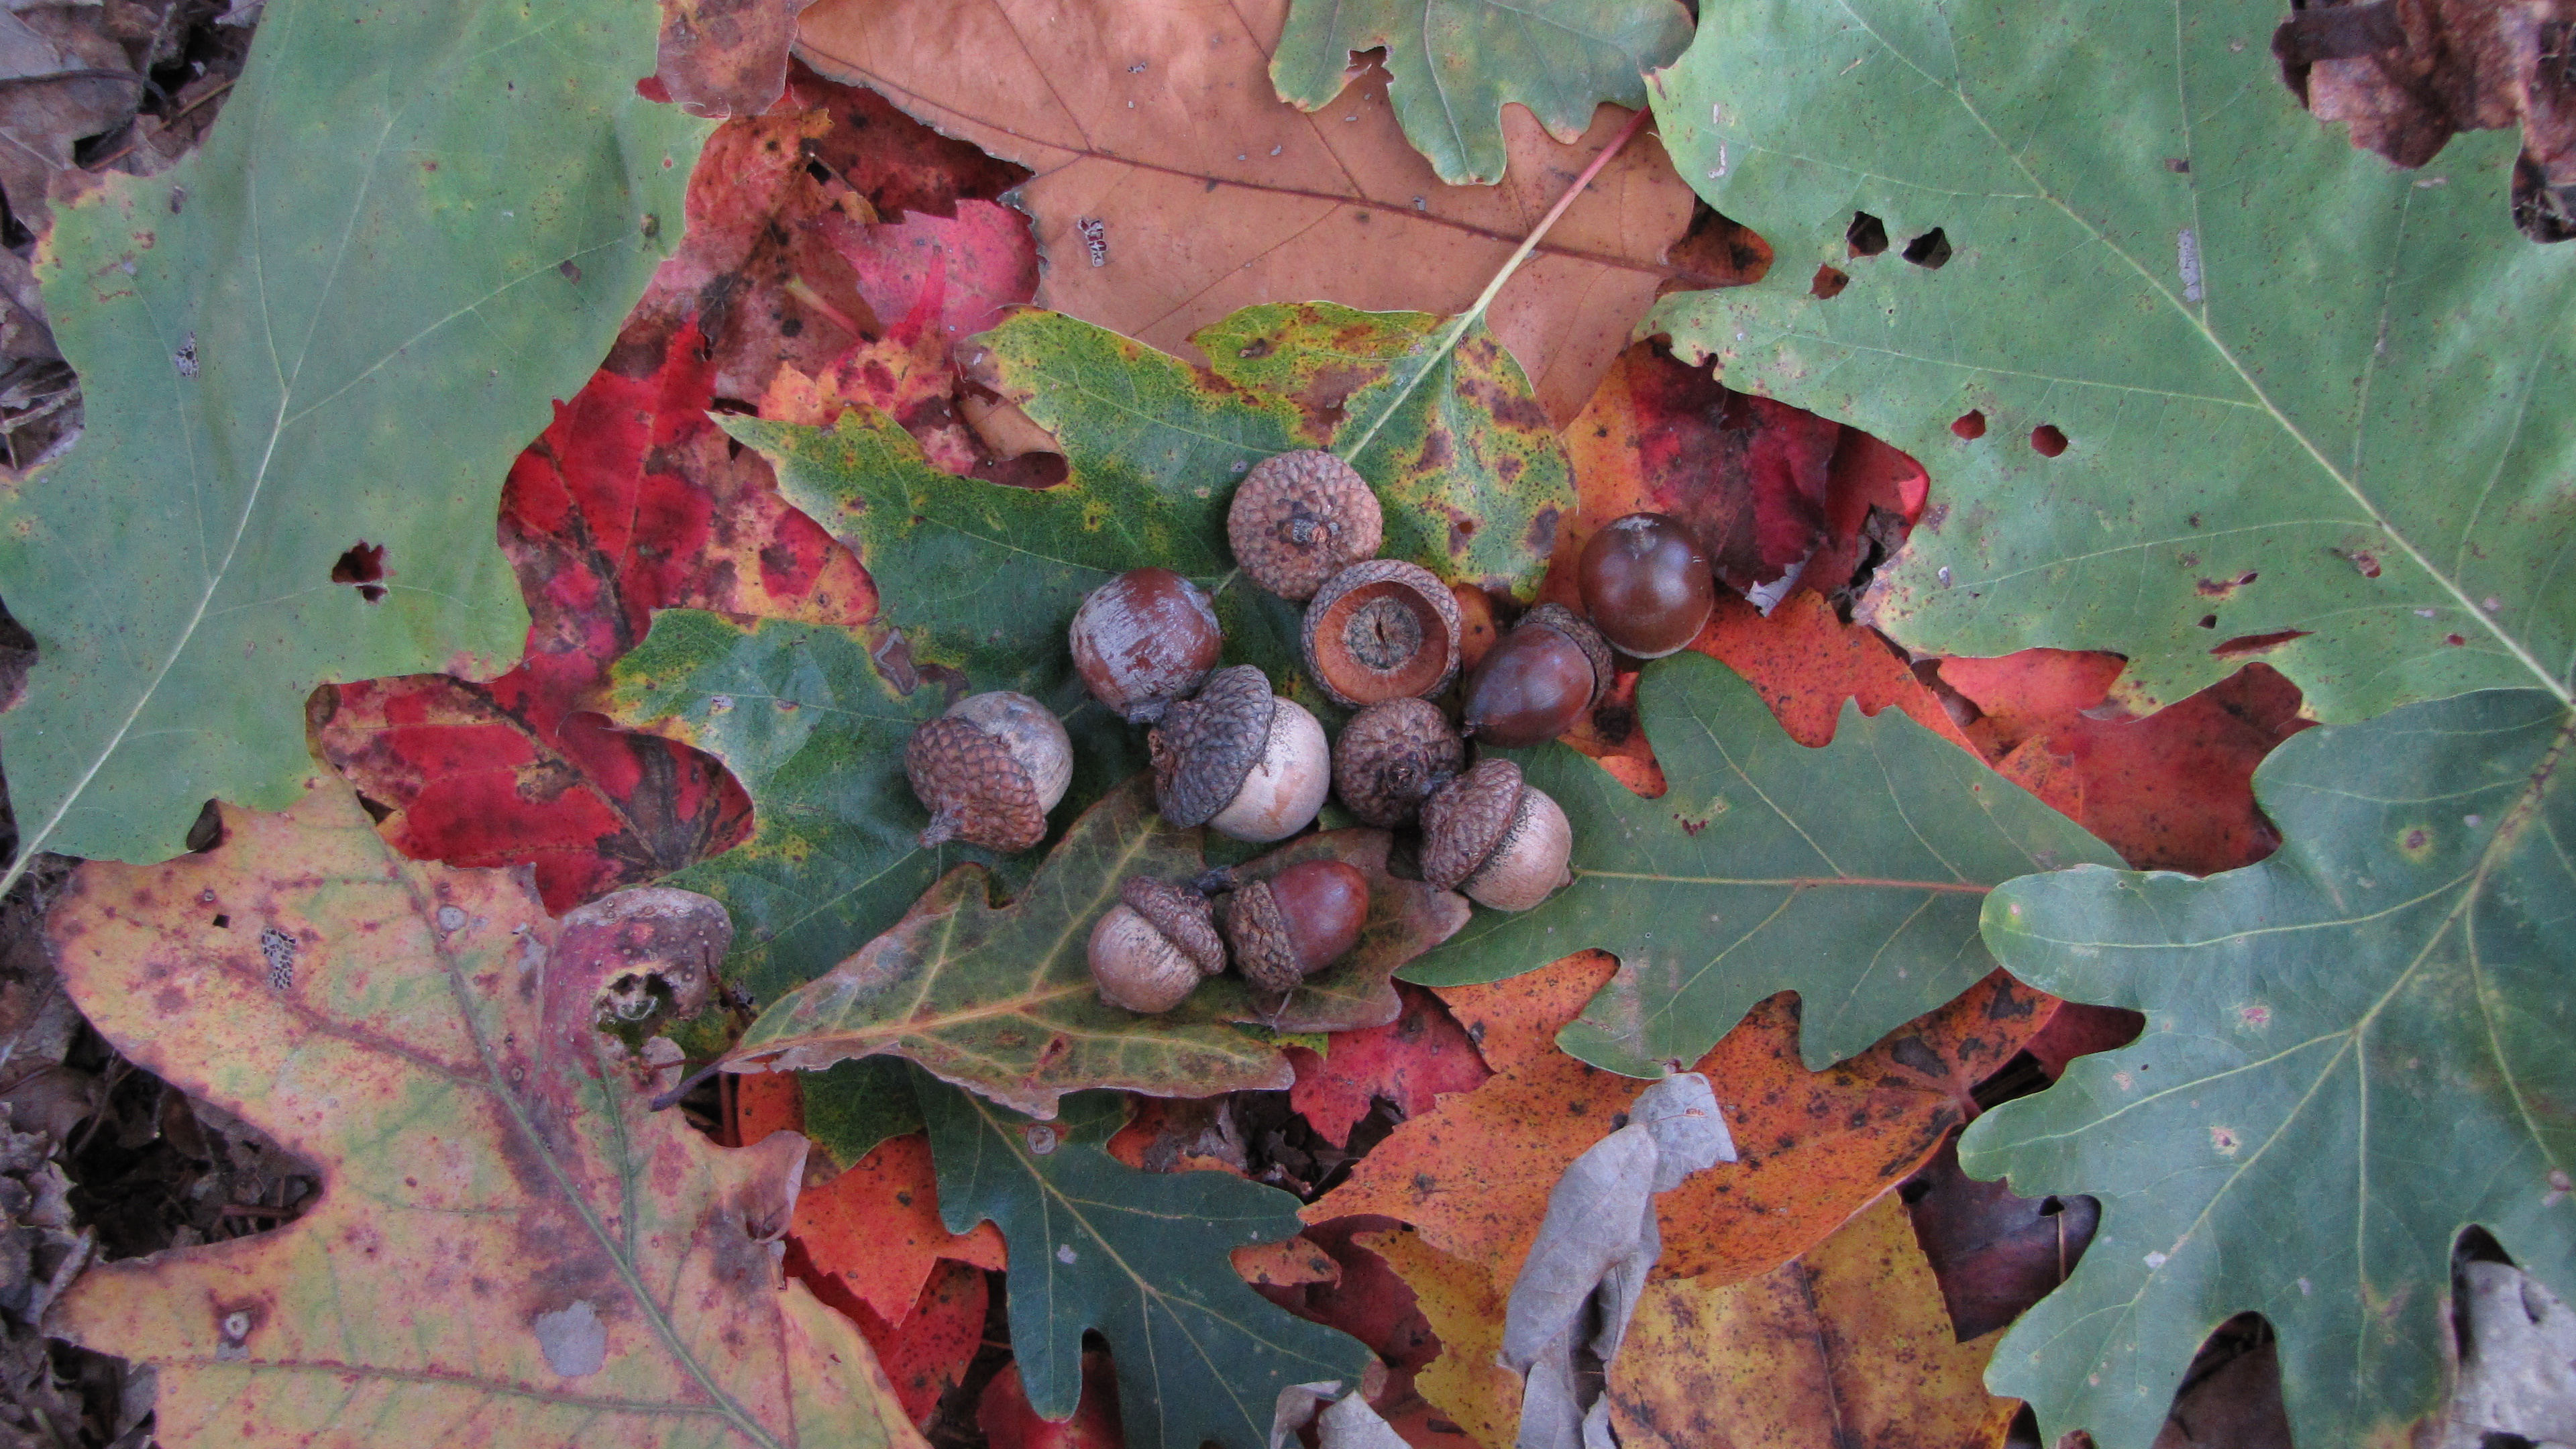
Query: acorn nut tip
point(1149, 951)
point(1237, 758)
point(1382, 629)
point(1144, 639)
point(1390, 756)
point(989, 770)
point(1299, 518)
point(1491, 835)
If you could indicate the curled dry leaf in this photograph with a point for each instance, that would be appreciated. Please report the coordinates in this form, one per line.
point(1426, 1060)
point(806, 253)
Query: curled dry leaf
point(509, 1247)
point(999, 998)
point(1172, 187)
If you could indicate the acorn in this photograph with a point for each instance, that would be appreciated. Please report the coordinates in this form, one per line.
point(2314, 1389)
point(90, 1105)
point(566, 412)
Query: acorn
point(1390, 756)
point(1150, 951)
point(990, 769)
point(1297, 922)
point(1239, 758)
point(1300, 518)
point(1646, 585)
point(1144, 639)
point(1544, 675)
point(1491, 835)
point(1383, 629)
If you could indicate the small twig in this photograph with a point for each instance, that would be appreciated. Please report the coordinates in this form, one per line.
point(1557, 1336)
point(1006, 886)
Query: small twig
point(1458, 326)
point(687, 1085)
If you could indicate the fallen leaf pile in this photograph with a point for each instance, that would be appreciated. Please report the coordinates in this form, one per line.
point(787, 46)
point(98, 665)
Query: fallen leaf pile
point(2073, 943)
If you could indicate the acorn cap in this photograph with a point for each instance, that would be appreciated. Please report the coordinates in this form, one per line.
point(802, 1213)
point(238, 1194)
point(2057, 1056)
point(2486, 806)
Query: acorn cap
point(1263, 949)
point(1390, 756)
point(1465, 819)
point(1299, 518)
point(976, 789)
point(1382, 629)
point(1184, 917)
point(1207, 744)
point(1586, 638)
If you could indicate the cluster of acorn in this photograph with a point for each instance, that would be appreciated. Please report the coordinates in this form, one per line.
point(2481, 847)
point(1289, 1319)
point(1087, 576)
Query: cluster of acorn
point(1381, 637)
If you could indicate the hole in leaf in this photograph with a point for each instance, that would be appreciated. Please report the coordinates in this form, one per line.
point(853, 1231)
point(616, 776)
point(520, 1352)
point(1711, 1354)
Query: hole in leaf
point(2257, 643)
point(364, 565)
point(1970, 424)
point(1866, 236)
point(2209, 621)
point(2047, 440)
point(1829, 282)
point(223, 923)
point(208, 830)
point(1929, 250)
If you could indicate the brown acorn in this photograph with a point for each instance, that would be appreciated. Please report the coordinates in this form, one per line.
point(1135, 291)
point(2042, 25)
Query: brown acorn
point(1300, 518)
point(1383, 629)
point(1646, 584)
point(1390, 756)
point(990, 769)
point(1240, 759)
point(1144, 639)
point(1149, 951)
point(1296, 923)
point(1546, 674)
point(1489, 834)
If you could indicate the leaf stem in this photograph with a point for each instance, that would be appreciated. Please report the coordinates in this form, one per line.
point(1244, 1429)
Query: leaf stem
point(1458, 325)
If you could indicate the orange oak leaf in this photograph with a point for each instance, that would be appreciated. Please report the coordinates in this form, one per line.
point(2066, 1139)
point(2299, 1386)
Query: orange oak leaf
point(1464, 1307)
point(509, 1248)
point(876, 1227)
point(1173, 187)
point(1473, 1174)
point(1411, 1061)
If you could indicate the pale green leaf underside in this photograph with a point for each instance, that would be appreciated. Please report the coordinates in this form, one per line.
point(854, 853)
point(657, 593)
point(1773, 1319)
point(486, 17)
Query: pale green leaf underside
point(1140, 1256)
point(1455, 62)
point(2353, 1050)
point(1852, 875)
point(415, 224)
point(2302, 390)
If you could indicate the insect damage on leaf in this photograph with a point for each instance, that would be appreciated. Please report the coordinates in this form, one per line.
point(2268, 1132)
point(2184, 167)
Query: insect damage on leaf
point(370, 288)
point(509, 1247)
point(2348, 1055)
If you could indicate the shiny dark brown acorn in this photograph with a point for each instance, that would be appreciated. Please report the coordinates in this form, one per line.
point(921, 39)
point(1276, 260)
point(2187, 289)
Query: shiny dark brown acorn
point(1646, 585)
point(1239, 759)
point(1300, 518)
point(1297, 922)
point(990, 769)
point(1493, 836)
point(1144, 639)
point(1390, 756)
point(1383, 629)
point(1544, 676)
point(1150, 951)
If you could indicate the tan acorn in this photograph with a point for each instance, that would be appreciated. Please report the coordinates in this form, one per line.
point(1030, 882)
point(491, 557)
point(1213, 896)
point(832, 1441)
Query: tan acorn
point(1544, 676)
point(1297, 922)
point(1151, 950)
point(1239, 759)
point(1383, 629)
point(1300, 518)
point(1491, 835)
point(989, 770)
point(1391, 756)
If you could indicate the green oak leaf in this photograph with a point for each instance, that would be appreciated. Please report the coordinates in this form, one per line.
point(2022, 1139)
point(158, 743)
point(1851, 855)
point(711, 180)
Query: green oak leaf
point(1140, 1256)
point(999, 998)
point(1443, 425)
point(333, 326)
point(1852, 875)
point(2353, 1050)
point(2308, 400)
point(1454, 63)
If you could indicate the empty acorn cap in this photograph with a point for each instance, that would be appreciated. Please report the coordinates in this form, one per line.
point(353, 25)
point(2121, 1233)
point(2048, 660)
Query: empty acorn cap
point(1299, 518)
point(1184, 917)
point(1465, 819)
point(1390, 756)
point(1263, 949)
point(1586, 638)
point(1381, 629)
point(1207, 744)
